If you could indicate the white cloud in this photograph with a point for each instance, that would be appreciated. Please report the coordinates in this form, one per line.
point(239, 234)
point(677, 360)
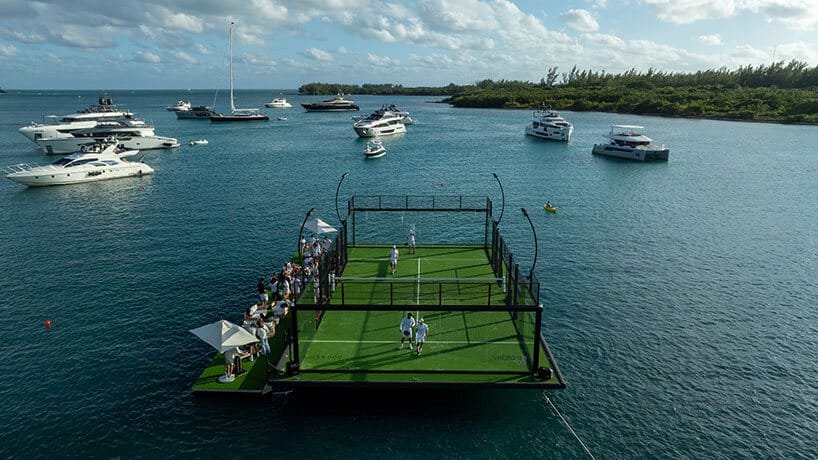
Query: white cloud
point(580, 20)
point(318, 55)
point(379, 61)
point(201, 49)
point(795, 14)
point(748, 53)
point(147, 56)
point(713, 40)
point(8, 50)
point(184, 57)
point(797, 50)
point(342, 50)
point(23, 37)
point(606, 40)
point(258, 60)
point(175, 21)
point(687, 11)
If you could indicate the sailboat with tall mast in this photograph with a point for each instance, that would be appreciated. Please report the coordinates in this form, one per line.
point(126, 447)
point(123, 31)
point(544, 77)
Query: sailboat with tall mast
point(237, 114)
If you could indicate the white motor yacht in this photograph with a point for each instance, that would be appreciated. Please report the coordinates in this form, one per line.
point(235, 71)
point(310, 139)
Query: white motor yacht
point(382, 122)
point(337, 104)
point(628, 142)
point(105, 110)
point(374, 149)
point(131, 135)
point(278, 103)
point(547, 124)
point(98, 162)
point(180, 106)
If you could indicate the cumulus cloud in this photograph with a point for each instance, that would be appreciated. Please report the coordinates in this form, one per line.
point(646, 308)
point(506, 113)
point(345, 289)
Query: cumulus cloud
point(201, 49)
point(147, 56)
point(580, 20)
point(8, 50)
point(687, 11)
point(23, 37)
point(318, 55)
point(794, 14)
point(379, 61)
point(714, 39)
point(184, 57)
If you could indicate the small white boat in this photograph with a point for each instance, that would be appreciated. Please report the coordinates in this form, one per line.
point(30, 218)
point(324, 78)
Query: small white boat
point(198, 142)
point(281, 118)
point(278, 103)
point(374, 149)
point(628, 142)
point(99, 162)
point(180, 106)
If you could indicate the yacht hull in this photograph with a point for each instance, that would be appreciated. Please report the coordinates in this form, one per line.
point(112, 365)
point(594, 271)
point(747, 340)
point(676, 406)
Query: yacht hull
point(43, 179)
point(226, 118)
point(550, 133)
point(636, 154)
point(379, 131)
point(324, 108)
point(73, 144)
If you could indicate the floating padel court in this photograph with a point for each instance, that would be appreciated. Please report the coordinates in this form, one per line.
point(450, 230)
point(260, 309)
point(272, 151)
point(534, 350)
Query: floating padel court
point(483, 312)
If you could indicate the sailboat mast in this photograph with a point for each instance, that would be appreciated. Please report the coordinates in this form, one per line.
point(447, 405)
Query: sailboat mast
point(230, 56)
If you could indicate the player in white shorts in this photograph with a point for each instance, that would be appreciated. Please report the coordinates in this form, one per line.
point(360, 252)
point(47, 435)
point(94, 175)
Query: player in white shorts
point(393, 259)
point(410, 240)
point(420, 335)
point(406, 326)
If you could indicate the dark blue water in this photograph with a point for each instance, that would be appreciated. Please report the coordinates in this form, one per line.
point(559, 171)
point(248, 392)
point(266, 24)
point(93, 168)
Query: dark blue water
point(680, 297)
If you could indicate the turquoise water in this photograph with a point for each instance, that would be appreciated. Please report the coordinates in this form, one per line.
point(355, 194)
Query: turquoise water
point(680, 297)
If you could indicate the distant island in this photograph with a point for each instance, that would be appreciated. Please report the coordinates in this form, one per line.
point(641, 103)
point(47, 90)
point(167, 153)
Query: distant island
point(779, 92)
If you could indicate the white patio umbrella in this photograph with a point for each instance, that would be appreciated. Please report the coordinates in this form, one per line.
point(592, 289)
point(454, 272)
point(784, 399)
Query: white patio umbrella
point(224, 335)
point(319, 227)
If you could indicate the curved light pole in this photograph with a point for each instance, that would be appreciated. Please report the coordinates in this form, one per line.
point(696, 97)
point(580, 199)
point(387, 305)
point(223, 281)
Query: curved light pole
point(503, 194)
point(337, 213)
point(301, 232)
point(533, 264)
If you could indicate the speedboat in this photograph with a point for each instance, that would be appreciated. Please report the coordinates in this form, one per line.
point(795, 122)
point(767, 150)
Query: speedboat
point(374, 149)
point(105, 110)
point(382, 122)
point(237, 114)
point(547, 124)
point(198, 142)
point(100, 162)
point(337, 104)
point(199, 112)
point(278, 103)
point(628, 142)
point(180, 106)
point(131, 134)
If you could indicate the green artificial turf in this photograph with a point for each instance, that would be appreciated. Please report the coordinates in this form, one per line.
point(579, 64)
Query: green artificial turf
point(423, 278)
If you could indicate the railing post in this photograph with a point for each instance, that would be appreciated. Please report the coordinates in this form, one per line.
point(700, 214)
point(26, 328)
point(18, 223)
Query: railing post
point(391, 293)
point(439, 294)
point(537, 338)
point(295, 360)
point(489, 301)
point(516, 284)
point(343, 302)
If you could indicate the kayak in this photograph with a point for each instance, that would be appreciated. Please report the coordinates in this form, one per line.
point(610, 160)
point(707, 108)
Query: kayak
point(551, 209)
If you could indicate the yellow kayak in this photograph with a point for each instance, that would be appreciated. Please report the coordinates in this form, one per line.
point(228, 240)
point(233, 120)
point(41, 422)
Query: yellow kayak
point(550, 208)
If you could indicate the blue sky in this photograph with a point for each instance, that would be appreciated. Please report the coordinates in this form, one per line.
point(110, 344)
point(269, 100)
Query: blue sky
point(93, 44)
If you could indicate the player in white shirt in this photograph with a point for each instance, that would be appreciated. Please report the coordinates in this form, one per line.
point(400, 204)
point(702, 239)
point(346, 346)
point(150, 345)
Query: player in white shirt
point(393, 260)
point(406, 326)
point(420, 335)
point(410, 240)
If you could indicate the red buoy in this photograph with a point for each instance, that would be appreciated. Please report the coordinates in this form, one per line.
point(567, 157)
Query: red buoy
point(47, 324)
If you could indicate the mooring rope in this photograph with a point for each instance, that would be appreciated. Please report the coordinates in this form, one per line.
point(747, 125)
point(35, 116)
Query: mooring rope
point(576, 436)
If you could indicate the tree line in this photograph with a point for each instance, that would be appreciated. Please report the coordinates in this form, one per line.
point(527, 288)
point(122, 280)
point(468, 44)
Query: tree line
point(785, 92)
